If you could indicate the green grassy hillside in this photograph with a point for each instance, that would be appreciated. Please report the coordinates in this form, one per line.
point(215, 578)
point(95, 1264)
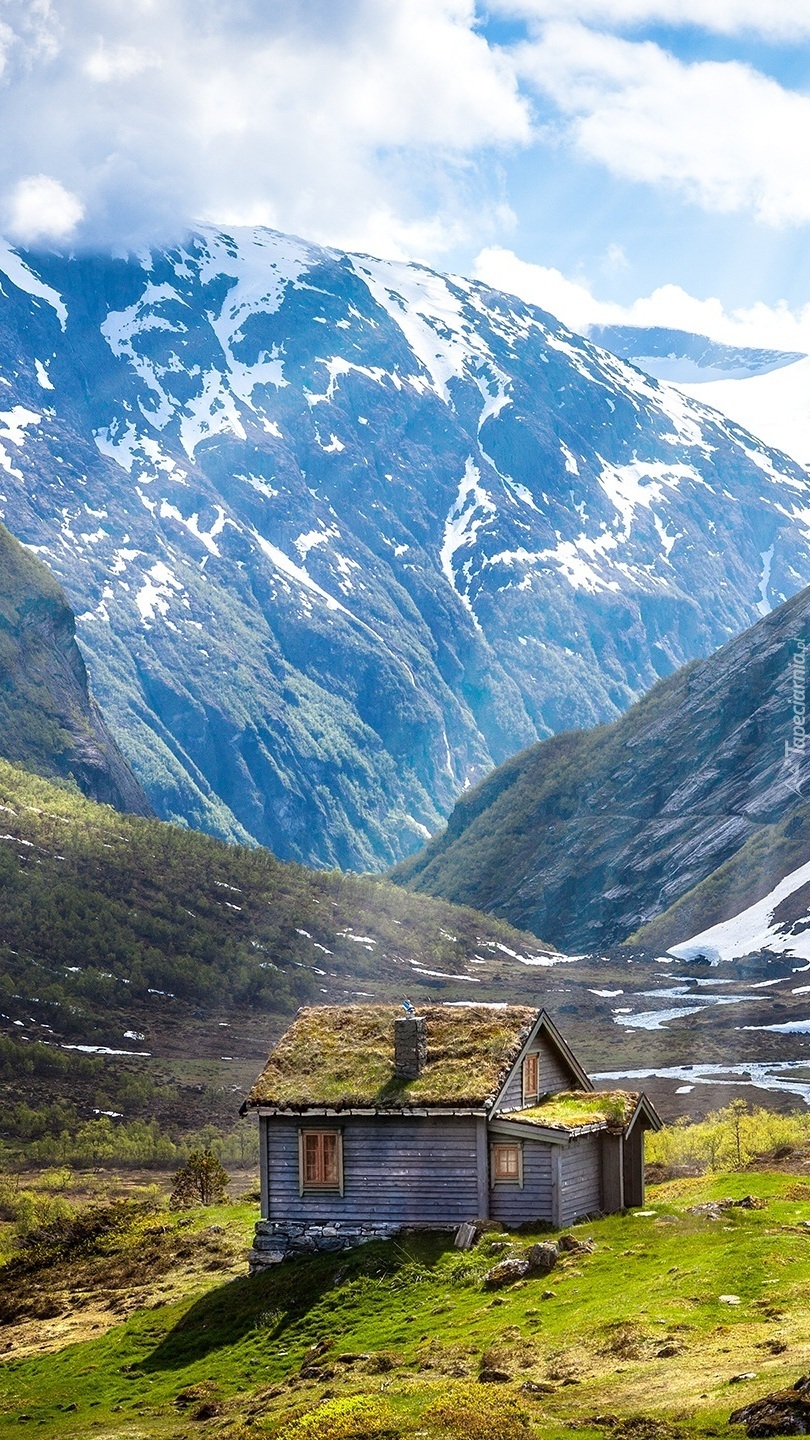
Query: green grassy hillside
point(184, 956)
point(678, 1314)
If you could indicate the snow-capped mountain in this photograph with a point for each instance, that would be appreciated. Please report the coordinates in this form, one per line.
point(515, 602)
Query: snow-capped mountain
point(342, 533)
point(683, 358)
point(767, 391)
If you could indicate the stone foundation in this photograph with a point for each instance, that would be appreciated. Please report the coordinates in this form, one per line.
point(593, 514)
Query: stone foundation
point(277, 1240)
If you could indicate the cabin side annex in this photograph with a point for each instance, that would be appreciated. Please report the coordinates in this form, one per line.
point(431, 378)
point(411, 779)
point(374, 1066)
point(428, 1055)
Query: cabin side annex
point(371, 1121)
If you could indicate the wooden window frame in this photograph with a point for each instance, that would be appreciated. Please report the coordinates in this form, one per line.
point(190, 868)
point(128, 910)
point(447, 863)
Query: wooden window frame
point(497, 1146)
point(530, 1063)
point(319, 1187)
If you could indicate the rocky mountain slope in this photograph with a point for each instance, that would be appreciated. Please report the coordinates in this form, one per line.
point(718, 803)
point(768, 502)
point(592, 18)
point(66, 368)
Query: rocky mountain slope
point(695, 796)
point(48, 719)
point(340, 534)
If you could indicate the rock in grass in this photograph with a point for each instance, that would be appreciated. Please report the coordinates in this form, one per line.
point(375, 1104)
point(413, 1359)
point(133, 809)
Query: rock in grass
point(573, 1246)
point(490, 1376)
point(466, 1236)
point(783, 1412)
point(542, 1258)
point(506, 1272)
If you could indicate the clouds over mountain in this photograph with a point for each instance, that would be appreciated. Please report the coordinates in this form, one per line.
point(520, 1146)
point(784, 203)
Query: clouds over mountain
point(384, 124)
point(134, 114)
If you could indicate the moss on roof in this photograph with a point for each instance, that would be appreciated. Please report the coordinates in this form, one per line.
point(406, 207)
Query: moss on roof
point(575, 1109)
point(343, 1056)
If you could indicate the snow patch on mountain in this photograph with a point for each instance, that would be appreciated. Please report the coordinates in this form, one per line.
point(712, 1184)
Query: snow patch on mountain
point(641, 483)
point(14, 423)
point(159, 588)
point(756, 928)
point(472, 508)
point(430, 315)
point(22, 276)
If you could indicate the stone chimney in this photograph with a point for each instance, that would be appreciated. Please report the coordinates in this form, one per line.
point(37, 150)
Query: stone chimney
point(410, 1046)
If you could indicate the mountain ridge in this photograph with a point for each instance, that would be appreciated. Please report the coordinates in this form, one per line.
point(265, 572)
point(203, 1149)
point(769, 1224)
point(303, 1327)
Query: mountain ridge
point(606, 836)
point(341, 533)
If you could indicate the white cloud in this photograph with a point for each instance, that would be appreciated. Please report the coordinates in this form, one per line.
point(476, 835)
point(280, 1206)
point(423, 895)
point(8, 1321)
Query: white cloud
point(319, 118)
point(118, 62)
point(776, 19)
point(39, 208)
point(573, 301)
point(723, 134)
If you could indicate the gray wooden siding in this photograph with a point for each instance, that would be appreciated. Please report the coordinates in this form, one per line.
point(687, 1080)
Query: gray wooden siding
point(634, 1166)
point(581, 1178)
point(552, 1075)
point(398, 1171)
point(514, 1205)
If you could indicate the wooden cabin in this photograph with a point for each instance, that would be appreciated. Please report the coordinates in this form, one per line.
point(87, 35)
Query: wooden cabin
point(371, 1121)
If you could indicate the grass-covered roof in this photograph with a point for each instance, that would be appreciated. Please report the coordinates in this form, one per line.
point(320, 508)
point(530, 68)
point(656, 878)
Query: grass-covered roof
point(343, 1056)
point(577, 1109)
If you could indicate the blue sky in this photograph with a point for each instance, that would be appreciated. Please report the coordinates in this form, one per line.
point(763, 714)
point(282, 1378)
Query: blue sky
point(612, 159)
point(577, 215)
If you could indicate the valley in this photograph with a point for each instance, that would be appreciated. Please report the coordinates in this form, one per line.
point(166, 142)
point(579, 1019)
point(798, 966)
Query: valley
point(342, 533)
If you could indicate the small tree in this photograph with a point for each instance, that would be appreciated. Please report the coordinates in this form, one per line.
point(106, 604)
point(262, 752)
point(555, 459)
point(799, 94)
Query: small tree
point(201, 1181)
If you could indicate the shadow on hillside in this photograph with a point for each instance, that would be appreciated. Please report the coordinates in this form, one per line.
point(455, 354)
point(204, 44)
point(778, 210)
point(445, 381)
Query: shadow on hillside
point(268, 1304)
point(225, 1316)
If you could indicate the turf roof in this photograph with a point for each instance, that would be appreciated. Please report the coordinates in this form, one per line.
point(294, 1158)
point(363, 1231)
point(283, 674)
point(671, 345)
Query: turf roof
point(575, 1110)
point(343, 1056)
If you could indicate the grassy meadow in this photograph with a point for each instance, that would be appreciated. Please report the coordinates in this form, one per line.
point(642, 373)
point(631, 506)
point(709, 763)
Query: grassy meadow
point(642, 1337)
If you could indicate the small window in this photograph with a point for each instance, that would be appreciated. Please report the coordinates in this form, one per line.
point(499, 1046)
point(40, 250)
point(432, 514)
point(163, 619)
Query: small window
point(507, 1165)
point(320, 1160)
point(530, 1078)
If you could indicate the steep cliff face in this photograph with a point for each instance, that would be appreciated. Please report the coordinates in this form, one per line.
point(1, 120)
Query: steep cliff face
point(342, 534)
point(691, 797)
point(48, 719)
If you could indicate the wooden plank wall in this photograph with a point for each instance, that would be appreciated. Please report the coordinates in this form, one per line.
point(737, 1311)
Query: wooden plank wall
point(552, 1076)
point(514, 1205)
point(398, 1171)
point(634, 1166)
point(581, 1178)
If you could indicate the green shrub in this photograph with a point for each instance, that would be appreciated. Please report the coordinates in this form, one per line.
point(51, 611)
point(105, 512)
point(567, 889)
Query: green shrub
point(200, 1181)
point(355, 1417)
point(478, 1412)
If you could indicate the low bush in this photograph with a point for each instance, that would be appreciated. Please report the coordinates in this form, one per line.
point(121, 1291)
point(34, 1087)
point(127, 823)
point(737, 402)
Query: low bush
point(354, 1417)
point(478, 1412)
point(727, 1139)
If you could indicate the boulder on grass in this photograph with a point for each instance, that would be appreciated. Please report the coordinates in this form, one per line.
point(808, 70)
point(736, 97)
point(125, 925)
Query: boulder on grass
point(542, 1258)
point(506, 1272)
point(783, 1412)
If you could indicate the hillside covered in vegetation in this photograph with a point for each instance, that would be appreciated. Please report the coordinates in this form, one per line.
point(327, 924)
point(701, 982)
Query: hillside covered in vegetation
point(145, 969)
point(654, 1325)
